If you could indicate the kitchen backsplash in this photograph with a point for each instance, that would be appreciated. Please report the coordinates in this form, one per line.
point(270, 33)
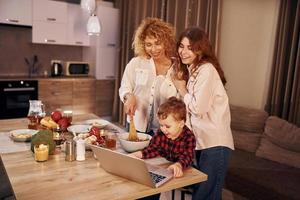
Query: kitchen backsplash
point(16, 45)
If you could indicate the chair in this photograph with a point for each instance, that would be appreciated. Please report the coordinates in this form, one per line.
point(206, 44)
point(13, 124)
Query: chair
point(183, 192)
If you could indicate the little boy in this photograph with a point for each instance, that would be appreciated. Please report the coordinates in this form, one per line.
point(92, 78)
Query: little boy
point(173, 141)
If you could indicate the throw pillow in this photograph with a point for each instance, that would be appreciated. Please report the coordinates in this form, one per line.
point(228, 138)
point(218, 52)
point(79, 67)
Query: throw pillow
point(283, 133)
point(247, 119)
point(273, 152)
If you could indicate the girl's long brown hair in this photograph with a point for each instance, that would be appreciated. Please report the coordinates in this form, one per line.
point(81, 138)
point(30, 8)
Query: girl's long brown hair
point(201, 46)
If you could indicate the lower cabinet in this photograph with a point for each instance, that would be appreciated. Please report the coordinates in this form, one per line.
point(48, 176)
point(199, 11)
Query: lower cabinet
point(76, 94)
point(56, 94)
point(105, 97)
point(81, 95)
point(84, 96)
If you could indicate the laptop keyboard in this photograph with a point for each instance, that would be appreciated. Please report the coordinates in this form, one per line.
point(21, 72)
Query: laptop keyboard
point(156, 177)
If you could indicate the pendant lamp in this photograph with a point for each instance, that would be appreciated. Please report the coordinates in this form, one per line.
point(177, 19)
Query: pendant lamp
point(93, 25)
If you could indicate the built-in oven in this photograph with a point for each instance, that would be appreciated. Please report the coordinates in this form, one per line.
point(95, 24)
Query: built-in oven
point(15, 96)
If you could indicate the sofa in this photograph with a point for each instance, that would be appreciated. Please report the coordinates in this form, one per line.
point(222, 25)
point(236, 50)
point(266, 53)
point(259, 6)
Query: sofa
point(266, 161)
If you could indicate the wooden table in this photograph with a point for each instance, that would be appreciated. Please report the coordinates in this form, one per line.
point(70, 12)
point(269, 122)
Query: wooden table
point(59, 179)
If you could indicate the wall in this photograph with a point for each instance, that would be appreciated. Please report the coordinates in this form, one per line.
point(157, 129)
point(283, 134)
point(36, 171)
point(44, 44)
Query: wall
point(247, 34)
point(15, 45)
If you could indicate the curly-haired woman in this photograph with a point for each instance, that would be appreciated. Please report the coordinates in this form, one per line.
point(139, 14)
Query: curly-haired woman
point(146, 82)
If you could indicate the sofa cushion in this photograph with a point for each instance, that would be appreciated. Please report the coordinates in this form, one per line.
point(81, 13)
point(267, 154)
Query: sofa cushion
point(258, 178)
point(245, 140)
point(273, 152)
point(247, 119)
point(283, 133)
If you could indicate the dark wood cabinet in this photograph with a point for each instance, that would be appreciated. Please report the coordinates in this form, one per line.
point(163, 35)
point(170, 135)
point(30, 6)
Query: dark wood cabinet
point(76, 94)
point(104, 97)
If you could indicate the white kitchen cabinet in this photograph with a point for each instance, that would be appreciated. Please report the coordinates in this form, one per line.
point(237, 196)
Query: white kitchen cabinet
point(49, 33)
point(106, 63)
point(107, 45)
point(109, 19)
point(76, 29)
point(18, 12)
point(50, 11)
point(49, 22)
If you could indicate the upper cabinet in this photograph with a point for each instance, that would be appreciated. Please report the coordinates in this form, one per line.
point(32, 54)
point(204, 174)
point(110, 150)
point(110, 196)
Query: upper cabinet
point(107, 45)
point(50, 11)
point(59, 23)
point(109, 19)
point(77, 20)
point(49, 33)
point(18, 12)
point(49, 22)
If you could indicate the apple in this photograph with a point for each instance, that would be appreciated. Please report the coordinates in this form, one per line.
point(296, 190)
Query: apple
point(56, 115)
point(63, 123)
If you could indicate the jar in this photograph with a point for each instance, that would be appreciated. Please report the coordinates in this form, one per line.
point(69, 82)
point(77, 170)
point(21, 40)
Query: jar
point(35, 113)
point(110, 140)
point(70, 150)
point(58, 136)
point(41, 152)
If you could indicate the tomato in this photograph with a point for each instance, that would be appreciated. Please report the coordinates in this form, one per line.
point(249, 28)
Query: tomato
point(95, 131)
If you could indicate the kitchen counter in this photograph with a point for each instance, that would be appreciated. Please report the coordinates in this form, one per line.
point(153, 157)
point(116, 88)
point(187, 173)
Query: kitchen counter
point(6, 78)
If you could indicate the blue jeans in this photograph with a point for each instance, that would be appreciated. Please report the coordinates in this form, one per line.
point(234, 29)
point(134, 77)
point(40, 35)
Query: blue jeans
point(214, 162)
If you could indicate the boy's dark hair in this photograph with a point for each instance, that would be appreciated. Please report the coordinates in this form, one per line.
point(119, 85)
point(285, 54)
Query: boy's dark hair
point(173, 106)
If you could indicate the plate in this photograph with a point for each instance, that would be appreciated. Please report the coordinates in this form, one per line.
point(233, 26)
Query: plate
point(22, 135)
point(79, 128)
point(100, 123)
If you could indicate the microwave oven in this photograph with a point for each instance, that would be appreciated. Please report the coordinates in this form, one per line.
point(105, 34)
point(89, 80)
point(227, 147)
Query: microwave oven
point(76, 68)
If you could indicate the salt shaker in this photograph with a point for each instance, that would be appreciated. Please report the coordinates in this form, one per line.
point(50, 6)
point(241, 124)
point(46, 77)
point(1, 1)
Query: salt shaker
point(80, 150)
point(70, 150)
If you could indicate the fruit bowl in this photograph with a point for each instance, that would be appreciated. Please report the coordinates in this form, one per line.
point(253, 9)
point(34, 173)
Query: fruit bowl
point(79, 128)
point(132, 146)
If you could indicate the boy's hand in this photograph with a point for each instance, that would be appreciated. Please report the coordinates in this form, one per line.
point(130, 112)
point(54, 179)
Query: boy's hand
point(137, 154)
point(177, 169)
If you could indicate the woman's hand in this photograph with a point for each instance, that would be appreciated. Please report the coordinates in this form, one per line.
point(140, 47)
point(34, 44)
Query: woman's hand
point(180, 86)
point(130, 105)
point(177, 169)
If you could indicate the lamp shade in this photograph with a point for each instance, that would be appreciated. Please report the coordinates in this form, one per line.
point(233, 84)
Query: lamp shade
point(93, 25)
point(88, 5)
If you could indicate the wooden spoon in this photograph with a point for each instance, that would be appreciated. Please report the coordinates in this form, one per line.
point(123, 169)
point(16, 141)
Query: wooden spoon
point(132, 131)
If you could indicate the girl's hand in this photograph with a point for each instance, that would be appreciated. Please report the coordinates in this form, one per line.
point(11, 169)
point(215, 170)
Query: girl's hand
point(177, 169)
point(130, 105)
point(180, 86)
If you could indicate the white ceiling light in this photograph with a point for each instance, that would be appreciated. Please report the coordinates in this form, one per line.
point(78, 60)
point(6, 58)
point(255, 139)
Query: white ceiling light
point(93, 25)
point(88, 5)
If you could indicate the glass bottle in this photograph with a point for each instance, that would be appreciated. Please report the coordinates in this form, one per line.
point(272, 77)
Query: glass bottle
point(35, 114)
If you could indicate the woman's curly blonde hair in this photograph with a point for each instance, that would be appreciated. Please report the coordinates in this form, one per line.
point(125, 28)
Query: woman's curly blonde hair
point(158, 29)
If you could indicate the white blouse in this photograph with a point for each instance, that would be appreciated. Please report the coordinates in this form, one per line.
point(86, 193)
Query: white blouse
point(150, 90)
point(208, 109)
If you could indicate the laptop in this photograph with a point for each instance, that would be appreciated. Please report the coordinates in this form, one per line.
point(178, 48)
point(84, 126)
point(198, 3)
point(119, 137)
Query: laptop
point(131, 168)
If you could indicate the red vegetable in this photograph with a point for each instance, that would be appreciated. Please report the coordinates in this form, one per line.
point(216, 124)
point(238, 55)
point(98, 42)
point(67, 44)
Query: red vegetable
point(95, 131)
